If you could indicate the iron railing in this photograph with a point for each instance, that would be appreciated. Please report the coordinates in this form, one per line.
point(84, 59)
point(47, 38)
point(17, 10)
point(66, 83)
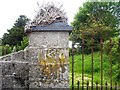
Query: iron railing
point(94, 85)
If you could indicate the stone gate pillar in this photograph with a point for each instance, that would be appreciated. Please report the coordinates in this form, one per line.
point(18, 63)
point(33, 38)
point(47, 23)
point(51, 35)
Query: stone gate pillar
point(48, 54)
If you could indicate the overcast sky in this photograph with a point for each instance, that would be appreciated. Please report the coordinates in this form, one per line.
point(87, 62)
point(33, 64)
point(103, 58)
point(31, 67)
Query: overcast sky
point(11, 9)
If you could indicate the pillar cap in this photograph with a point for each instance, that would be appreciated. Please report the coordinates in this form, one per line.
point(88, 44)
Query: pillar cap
point(54, 27)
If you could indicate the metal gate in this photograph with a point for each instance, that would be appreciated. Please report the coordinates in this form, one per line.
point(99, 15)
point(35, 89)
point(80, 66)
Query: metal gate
point(91, 85)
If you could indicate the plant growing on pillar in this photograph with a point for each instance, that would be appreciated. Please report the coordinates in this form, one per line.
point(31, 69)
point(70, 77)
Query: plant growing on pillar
point(52, 63)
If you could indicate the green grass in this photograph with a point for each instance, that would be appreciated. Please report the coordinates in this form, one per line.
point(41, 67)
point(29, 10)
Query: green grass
point(87, 68)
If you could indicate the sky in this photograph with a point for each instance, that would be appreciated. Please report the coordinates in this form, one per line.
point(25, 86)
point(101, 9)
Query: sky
point(10, 10)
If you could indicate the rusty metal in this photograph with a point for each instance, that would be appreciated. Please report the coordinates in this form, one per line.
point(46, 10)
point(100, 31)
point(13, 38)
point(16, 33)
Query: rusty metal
point(111, 64)
point(119, 45)
point(82, 63)
point(72, 66)
point(106, 86)
point(115, 85)
point(92, 57)
point(101, 62)
point(78, 85)
point(87, 85)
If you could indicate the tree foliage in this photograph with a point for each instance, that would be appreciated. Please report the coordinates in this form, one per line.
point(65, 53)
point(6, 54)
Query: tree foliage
point(15, 35)
point(96, 18)
point(113, 49)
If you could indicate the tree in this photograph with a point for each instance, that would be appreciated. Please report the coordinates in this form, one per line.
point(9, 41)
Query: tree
point(97, 14)
point(15, 35)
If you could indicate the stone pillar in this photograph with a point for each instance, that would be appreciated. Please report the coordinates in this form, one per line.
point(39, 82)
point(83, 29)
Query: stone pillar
point(48, 54)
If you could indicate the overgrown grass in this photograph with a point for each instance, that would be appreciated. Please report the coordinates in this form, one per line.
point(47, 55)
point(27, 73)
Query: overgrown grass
point(88, 68)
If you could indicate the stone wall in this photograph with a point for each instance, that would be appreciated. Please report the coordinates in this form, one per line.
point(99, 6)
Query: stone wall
point(16, 56)
point(14, 71)
point(13, 74)
point(43, 64)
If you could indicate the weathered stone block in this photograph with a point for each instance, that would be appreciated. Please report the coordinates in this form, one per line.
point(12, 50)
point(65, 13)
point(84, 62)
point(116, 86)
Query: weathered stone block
point(6, 58)
point(18, 56)
point(49, 39)
point(14, 74)
point(31, 55)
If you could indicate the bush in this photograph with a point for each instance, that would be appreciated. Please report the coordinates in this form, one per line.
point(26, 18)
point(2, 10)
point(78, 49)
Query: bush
point(8, 49)
point(23, 44)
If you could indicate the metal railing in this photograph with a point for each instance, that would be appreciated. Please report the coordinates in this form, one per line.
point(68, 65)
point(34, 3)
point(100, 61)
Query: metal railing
point(94, 85)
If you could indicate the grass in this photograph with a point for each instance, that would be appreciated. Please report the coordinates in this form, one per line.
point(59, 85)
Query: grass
point(87, 68)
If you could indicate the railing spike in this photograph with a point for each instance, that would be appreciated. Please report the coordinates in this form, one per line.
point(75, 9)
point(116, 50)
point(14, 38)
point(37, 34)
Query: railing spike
point(106, 85)
point(78, 85)
point(87, 85)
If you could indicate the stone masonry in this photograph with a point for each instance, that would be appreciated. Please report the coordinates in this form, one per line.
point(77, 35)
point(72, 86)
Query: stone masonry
point(43, 64)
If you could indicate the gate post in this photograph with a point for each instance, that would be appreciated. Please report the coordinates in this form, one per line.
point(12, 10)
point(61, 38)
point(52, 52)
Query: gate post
point(48, 54)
